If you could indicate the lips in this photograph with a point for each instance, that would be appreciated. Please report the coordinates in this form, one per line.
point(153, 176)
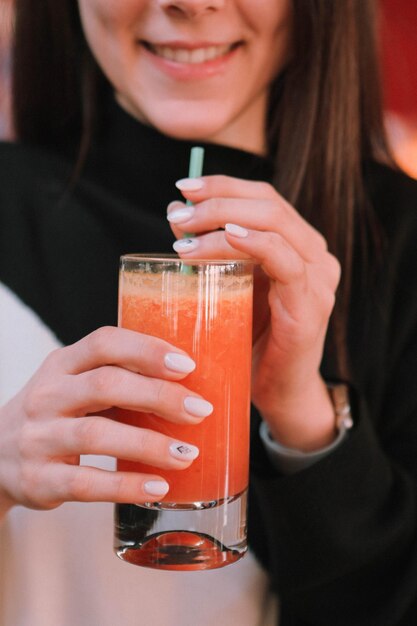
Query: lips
point(194, 55)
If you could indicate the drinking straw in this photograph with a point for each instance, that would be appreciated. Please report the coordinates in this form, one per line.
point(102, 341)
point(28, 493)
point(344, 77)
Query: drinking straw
point(195, 170)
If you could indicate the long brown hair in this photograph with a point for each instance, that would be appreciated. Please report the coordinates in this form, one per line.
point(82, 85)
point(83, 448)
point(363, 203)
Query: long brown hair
point(325, 116)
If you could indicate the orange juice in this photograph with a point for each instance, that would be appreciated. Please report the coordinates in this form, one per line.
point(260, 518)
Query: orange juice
point(214, 326)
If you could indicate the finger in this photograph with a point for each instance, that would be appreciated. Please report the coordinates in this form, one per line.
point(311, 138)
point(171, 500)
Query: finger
point(291, 274)
point(88, 484)
point(277, 258)
point(204, 187)
point(126, 348)
point(101, 436)
point(213, 189)
point(213, 245)
point(266, 215)
point(110, 386)
point(281, 262)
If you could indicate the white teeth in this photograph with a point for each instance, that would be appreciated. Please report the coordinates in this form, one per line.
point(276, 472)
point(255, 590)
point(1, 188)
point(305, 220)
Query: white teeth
point(184, 55)
point(169, 54)
point(212, 52)
point(197, 56)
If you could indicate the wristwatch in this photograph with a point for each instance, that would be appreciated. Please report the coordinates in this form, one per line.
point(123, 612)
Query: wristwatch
point(339, 396)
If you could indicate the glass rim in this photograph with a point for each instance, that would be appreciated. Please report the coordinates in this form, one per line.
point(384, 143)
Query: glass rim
point(174, 258)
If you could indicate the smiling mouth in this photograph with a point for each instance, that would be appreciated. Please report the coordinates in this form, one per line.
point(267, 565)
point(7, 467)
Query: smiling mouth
point(193, 56)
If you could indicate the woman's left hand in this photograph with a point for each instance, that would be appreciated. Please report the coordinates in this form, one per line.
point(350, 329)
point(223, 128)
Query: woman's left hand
point(294, 295)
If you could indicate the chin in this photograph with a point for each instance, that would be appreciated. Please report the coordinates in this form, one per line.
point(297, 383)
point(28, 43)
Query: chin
point(190, 121)
point(185, 132)
point(202, 127)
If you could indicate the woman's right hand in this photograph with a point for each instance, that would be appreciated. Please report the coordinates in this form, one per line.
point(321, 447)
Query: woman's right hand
point(56, 417)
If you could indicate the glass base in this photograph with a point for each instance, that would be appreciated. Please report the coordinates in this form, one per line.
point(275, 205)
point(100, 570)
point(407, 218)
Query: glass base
point(193, 537)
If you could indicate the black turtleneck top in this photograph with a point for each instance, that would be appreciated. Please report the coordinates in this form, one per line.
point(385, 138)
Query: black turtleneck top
point(338, 539)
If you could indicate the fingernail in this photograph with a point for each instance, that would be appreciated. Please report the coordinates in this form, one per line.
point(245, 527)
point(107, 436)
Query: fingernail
point(175, 204)
point(236, 231)
point(185, 245)
point(179, 363)
point(180, 215)
point(183, 451)
point(189, 184)
point(197, 406)
point(156, 487)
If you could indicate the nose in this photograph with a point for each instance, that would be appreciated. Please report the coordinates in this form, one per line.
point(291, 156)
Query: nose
point(191, 8)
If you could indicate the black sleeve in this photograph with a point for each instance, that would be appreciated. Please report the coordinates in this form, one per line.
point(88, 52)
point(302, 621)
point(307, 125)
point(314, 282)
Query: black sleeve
point(339, 539)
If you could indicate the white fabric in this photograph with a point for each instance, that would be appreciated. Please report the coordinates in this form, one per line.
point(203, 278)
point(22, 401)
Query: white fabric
point(57, 568)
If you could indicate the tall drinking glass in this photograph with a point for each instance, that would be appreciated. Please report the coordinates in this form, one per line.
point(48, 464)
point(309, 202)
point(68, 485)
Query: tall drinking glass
point(205, 308)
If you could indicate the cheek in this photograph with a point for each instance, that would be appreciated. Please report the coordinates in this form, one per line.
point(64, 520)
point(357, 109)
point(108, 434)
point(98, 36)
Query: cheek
point(270, 12)
point(277, 31)
point(107, 10)
point(108, 27)
point(108, 18)
point(265, 13)
point(271, 22)
point(279, 23)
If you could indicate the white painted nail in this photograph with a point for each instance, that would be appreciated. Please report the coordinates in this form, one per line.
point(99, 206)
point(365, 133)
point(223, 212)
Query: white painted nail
point(156, 487)
point(236, 231)
point(189, 184)
point(175, 204)
point(183, 451)
point(180, 215)
point(179, 363)
point(185, 245)
point(197, 406)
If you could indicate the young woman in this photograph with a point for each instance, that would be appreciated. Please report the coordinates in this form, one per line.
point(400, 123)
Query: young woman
point(108, 98)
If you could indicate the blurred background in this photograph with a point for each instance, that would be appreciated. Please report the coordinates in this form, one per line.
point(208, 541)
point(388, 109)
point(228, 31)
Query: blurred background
point(6, 22)
point(398, 33)
point(398, 29)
